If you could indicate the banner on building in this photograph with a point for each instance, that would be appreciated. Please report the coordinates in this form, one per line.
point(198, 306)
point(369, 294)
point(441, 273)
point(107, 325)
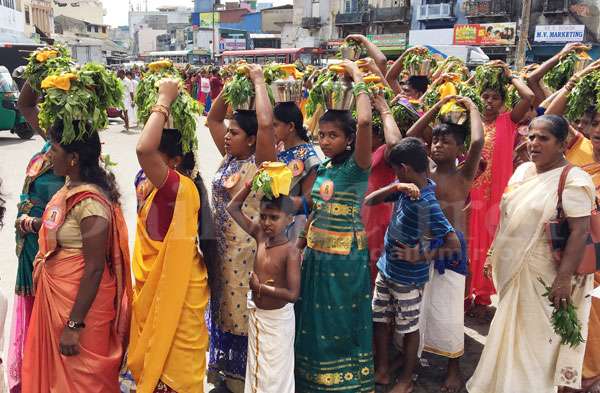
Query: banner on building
point(232, 44)
point(205, 19)
point(486, 34)
point(559, 33)
point(388, 40)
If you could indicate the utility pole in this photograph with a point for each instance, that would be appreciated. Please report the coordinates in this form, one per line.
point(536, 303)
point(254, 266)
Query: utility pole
point(523, 34)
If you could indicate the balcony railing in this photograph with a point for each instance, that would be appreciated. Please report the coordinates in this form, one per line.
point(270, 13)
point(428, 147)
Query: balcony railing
point(487, 8)
point(556, 6)
point(352, 18)
point(390, 14)
point(435, 11)
point(311, 23)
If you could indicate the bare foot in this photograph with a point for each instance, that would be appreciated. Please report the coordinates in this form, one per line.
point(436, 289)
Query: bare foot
point(481, 312)
point(453, 383)
point(403, 387)
point(382, 378)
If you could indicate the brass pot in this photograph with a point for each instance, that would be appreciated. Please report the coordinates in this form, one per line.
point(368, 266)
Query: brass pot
point(350, 53)
point(580, 64)
point(340, 96)
point(454, 117)
point(421, 69)
point(287, 90)
point(248, 105)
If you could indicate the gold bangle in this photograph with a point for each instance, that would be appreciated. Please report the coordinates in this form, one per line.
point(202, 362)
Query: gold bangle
point(163, 110)
point(490, 252)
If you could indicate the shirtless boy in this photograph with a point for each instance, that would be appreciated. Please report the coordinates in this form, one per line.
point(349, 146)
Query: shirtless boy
point(443, 306)
point(275, 285)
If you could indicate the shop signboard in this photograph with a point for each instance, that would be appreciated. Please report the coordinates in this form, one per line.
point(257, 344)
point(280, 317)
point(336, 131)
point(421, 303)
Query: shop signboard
point(388, 40)
point(559, 33)
point(494, 34)
point(204, 20)
point(232, 44)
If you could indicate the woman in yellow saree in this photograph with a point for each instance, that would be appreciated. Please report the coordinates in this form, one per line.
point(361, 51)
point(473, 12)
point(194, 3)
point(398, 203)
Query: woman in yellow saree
point(81, 276)
point(522, 352)
point(168, 342)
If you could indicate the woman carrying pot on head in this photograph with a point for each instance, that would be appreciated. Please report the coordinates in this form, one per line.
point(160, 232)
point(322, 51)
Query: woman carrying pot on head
point(333, 315)
point(522, 331)
point(38, 188)
point(76, 335)
point(500, 128)
point(169, 337)
point(236, 140)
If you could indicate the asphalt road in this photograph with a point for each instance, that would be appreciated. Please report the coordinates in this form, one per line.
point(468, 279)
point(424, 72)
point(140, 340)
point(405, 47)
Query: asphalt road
point(120, 145)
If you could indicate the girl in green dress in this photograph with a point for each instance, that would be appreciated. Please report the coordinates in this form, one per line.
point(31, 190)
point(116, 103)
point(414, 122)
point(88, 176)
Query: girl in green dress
point(333, 314)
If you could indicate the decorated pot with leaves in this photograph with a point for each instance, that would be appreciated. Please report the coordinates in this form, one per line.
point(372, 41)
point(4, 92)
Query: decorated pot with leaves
point(287, 90)
point(339, 95)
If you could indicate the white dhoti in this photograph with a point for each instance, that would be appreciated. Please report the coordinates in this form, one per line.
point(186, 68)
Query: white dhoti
point(270, 366)
point(442, 314)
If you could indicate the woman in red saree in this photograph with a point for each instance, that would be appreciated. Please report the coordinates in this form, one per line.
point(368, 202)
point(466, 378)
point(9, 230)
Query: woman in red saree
point(497, 164)
point(76, 334)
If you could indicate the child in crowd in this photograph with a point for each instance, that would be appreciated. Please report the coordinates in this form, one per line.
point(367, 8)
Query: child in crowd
point(443, 299)
point(398, 294)
point(275, 285)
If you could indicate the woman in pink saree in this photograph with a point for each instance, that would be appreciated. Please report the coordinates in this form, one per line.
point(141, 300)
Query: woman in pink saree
point(497, 164)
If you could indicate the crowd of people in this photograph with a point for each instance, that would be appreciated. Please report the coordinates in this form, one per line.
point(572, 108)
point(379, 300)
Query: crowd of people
point(316, 285)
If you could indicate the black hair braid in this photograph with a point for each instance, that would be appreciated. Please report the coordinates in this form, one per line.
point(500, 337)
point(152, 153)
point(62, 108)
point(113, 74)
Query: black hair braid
point(170, 145)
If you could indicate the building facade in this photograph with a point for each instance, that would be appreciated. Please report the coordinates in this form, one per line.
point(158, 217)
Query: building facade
point(167, 28)
point(91, 11)
point(273, 19)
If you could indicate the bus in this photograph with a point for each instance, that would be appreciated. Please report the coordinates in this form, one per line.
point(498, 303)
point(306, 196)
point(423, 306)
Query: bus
point(195, 57)
point(314, 56)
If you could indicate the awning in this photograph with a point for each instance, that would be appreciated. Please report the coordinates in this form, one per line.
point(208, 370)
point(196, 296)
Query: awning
point(545, 51)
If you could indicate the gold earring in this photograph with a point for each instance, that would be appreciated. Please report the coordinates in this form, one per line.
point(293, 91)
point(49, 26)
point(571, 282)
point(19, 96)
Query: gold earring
point(73, 162)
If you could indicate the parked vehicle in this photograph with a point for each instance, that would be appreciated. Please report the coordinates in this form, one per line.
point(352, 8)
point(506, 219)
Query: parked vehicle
point(10, 117)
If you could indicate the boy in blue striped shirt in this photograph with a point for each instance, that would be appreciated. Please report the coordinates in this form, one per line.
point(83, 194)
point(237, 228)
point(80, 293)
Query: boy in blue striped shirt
point(417, 220)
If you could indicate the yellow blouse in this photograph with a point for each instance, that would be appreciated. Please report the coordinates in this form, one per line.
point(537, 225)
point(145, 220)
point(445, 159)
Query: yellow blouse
point(69, 234)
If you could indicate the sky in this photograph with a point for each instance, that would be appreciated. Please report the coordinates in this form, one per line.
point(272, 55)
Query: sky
point(117, 10)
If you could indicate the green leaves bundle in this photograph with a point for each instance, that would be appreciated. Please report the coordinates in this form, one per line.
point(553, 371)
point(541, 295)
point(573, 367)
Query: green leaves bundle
point(558, 76)
point(262, 182)
point(414, 60)
point(238, 90)
point(321, 88)
point(83, 95)
point(490, 77)
point(184, 110)
point(44, 61)
point(272, 72)
point(585, 94)
point(357, 47)
point(404, 115)
point(565, 322)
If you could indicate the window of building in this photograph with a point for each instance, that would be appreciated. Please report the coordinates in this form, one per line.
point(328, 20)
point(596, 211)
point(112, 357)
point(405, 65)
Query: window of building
point(89, 29)
point(95, 29)
point(27, 16)
point(9, 4)
point(104, 29)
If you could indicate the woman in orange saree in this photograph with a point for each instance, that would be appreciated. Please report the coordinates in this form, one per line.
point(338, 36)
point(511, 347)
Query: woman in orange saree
point(497, 162)
point(75, 337)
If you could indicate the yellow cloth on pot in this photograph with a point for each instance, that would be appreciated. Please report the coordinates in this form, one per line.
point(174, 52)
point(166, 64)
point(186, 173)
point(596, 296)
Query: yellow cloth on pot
point(448, 89)
point(62, 82)
point(281, 177)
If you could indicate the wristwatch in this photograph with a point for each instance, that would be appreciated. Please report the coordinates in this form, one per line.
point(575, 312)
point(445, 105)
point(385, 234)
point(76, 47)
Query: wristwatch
point(75, 325)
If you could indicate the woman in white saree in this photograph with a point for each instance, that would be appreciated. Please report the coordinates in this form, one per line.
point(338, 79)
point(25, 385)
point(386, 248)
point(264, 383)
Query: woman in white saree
point(522, 353)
